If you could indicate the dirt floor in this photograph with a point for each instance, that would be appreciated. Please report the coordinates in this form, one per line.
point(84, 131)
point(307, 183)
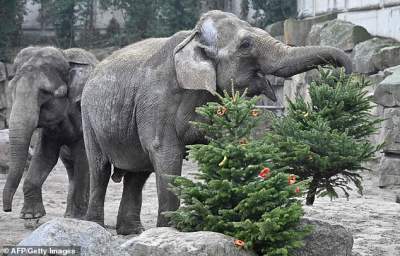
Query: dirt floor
point(374, 218)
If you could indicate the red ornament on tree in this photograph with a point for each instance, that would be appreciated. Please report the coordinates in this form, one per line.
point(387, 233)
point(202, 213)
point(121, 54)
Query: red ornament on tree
point(263, 174)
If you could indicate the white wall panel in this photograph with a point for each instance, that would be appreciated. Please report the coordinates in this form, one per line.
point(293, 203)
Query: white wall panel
point(383, 22)
point(390, 2)
point(305, 8)
point(321, 6)
point(360, 4)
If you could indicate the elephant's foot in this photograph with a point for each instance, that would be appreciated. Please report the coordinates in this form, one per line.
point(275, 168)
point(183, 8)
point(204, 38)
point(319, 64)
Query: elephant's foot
point(76, 211)
point(32, 210)
point(75, 214)
point(130, 228)
point(94, 218)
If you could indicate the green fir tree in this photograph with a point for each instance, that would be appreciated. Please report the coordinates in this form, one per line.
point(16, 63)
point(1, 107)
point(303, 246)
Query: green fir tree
point(326, 140)
point(238, 190)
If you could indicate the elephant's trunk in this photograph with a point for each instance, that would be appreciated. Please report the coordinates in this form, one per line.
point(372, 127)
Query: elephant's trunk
point(23, 121)
point(286, 61)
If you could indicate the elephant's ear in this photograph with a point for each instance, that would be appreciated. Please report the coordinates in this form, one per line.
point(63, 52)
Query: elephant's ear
point(194, 70)
point(78, 75)
point(81, 64)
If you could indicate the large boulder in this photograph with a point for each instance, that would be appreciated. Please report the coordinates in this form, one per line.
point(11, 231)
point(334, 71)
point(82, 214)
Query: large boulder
point(297, 86)
point(314, 37)
point(387, 92)
point(276, 30)
point(169, 241)
point(391, 131)
point(326, 240)
point(5, 147)
point(387, 57)
point(92, 238)
point(375, 54)
point(341, 34)
point(296, 31)
point(389, 169)
point(3, 96)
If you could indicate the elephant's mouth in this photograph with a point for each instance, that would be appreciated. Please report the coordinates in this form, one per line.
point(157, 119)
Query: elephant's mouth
point(269, 90)
point(262, 85)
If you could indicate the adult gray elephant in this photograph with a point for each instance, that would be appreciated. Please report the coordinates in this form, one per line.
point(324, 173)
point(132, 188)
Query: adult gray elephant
point(47, 90)
point(137, 105)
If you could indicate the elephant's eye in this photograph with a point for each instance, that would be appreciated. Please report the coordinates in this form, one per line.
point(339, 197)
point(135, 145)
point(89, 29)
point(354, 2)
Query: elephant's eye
point(245, 44)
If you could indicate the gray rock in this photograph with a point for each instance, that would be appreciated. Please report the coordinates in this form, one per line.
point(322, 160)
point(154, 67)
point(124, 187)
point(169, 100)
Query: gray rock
point(387, 92)
point(341, 34)
point(326, 240)
point(391, 130)
point(314, 37)
point(4, 146)
point(296, 31)
point(297, 86)
point(377, 78)
point(276, 29)
point(4, 150)
point(387, 57)
point(169, 241)
point(389, 169)
point(91, 237)
point(368, 56)
point(3, 96)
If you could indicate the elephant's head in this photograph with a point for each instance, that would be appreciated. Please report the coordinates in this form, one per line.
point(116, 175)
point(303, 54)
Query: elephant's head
point(223, 50)
point(47, 82)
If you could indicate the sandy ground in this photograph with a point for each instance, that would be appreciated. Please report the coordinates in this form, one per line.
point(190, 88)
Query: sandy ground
point(374, 218)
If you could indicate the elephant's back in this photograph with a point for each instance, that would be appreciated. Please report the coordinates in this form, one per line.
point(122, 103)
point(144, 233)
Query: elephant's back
point(133, 55)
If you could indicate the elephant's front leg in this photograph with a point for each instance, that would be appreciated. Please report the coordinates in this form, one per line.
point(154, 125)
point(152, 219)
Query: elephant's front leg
point(44, 159)
point(74, 158)
point(167, 162)
point(128, 221)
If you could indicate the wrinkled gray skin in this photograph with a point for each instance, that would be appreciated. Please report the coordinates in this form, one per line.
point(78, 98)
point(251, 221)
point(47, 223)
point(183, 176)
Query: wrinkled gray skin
point(137, 105)
point(47, 91)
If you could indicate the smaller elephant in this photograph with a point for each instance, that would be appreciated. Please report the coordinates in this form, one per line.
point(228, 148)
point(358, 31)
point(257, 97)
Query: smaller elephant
point(46, 92)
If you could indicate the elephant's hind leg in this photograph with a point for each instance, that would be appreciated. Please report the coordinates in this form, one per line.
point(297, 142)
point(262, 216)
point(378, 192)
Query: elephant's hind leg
point(43, 161)
point(100, 172)
point(128, 221)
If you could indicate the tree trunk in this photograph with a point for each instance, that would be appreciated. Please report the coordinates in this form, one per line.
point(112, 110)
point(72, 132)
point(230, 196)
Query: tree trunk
point(312, 191)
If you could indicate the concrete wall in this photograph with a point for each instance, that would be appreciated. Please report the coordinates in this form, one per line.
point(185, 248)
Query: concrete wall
point(379, 17)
